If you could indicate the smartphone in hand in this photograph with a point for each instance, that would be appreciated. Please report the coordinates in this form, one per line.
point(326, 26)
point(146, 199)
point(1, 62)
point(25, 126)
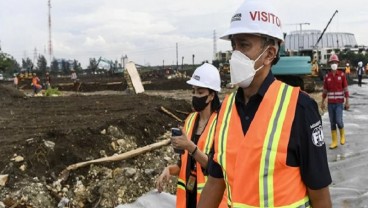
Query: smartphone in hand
point(177, 132)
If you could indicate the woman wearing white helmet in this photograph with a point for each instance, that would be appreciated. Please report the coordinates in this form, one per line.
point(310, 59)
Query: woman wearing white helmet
point(268, 145)
point(196, 139)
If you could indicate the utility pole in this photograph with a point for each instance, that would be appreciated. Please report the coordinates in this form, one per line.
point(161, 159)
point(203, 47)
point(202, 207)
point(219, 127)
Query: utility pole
point(182, 60)
point(35, 55)
point(163, 64)
point(177, 61)
point(50, 39)
point(193, 59)
point(214, 45)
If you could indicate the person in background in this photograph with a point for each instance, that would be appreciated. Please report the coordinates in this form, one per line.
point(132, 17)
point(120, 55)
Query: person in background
point(75, 80)
point(74, 76)
point(347, 70)
point(16, 81)
point(36, 84)
point(196, 140)
point(335, 88)
point(47, 80)
point(268, 146)
point(360, 72)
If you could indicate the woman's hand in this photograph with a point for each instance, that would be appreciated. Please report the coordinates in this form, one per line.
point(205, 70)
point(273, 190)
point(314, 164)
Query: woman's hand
point(181, 142)
point(162, 179)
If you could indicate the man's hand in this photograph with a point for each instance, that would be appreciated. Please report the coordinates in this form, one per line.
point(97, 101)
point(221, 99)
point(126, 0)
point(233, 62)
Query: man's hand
point(347, 106)
point(323, 106)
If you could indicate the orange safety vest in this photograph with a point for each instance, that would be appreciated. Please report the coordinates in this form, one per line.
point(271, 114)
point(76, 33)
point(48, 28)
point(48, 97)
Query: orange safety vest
point(254, 166)
point(204, 145)
point(347, 70)
point(35, 81)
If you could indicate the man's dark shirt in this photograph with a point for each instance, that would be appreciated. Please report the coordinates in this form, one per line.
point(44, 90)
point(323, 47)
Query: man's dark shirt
point(305, 149)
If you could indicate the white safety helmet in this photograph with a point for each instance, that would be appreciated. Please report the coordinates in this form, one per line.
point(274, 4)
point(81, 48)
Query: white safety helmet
point(256, 17)
point(360, 63)
point(206, 76)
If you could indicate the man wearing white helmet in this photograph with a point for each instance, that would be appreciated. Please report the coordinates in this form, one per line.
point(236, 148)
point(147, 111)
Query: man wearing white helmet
point(196, 139)
point(360, 72)
point(268, 146)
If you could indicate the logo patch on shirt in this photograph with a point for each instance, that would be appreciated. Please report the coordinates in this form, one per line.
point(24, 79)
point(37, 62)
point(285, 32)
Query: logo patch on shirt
point(317, 134)
point(339, 78)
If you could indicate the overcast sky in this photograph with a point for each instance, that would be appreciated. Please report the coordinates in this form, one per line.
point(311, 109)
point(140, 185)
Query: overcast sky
point(148, 30)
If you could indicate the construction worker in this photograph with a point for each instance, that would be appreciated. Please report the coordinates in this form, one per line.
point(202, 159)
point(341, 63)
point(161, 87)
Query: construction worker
point(347, 70)
point(268, 146)
point(47, 80)
point(36, 84)
point(196, 139)
point(360, 72)
point(335, 88)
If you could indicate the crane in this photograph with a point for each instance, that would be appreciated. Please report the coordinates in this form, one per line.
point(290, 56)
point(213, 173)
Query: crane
point(324, 30)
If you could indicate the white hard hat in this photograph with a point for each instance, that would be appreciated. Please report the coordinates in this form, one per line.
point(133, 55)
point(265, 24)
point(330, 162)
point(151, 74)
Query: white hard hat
point(206, 76)
point(360, 63)
point(256, 17)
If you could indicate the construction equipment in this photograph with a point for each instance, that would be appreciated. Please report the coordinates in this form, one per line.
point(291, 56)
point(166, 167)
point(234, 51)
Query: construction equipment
point(295, 70)
point(324, 30)
point(324, 70)
point(113, 66)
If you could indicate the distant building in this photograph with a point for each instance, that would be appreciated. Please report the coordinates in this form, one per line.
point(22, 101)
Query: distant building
point(223, 56)
point(306, 40)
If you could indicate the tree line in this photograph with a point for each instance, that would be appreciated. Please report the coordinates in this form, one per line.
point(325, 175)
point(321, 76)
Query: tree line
point(9, 66)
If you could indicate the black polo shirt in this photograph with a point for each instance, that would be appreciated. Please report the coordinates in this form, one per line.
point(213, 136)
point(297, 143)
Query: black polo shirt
point(306, 148)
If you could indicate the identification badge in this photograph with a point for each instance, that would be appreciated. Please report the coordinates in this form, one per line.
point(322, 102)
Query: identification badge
point(191, 181)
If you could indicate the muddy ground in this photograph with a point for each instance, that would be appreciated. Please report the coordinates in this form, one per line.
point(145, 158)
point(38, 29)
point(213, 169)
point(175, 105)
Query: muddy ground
point(41, 136)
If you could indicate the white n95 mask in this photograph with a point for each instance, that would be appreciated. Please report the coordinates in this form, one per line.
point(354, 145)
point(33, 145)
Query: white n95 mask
point(334, 66)
point(242, 70)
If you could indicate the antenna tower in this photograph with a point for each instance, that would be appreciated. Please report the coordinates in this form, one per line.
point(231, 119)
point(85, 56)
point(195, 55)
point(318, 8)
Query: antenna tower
point(214, 45)
point(50, 41)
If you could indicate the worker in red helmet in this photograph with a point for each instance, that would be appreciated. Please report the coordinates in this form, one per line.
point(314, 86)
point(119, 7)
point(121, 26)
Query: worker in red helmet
point(335, 89)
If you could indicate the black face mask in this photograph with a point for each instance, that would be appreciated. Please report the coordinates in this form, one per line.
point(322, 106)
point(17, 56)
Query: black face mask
point(199, 103)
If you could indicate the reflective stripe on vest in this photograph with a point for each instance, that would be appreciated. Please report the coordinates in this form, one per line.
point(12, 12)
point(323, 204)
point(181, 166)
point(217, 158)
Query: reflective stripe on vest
point(256, 163)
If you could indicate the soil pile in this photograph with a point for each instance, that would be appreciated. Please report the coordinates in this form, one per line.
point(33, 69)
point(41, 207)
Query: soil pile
point(41, 136)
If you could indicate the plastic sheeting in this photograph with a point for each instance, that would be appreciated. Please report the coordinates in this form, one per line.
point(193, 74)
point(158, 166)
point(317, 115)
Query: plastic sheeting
point(153, 199)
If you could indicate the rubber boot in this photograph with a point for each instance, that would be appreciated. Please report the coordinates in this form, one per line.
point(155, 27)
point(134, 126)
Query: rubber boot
point(334, 139)
point(342, 136)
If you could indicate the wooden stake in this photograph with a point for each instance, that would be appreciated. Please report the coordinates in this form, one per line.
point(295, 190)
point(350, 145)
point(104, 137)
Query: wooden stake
point(126, 155)
point(170, 114)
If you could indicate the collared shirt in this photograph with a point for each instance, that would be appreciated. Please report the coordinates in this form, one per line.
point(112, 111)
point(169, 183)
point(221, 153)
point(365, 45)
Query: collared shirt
point(306, 150)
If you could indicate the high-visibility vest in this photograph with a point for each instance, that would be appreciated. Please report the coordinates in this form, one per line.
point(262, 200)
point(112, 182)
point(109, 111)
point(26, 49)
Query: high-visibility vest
point(347, 70)
point(254, 166)
point(35, 81)
point(205, 143)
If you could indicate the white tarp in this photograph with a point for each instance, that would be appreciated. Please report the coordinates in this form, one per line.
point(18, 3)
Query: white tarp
point(153, 199)
point(134, 76)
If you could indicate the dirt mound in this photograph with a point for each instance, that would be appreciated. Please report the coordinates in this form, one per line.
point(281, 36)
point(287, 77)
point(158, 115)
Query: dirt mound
point(8, 91)
point(51, 133)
